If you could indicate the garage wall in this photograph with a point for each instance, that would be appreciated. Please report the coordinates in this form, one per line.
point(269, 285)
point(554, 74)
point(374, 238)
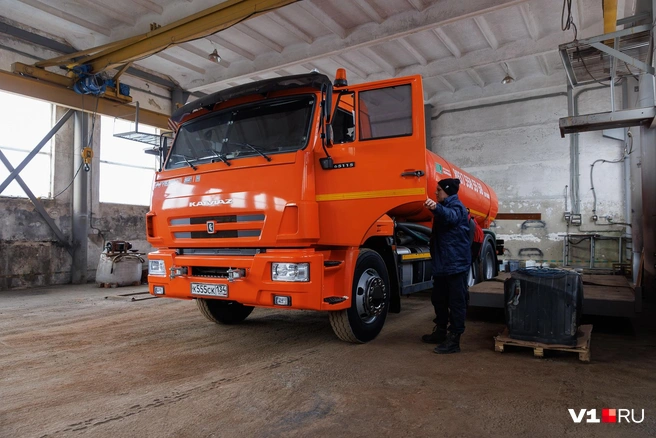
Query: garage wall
point(516, 148)
point(30, 254)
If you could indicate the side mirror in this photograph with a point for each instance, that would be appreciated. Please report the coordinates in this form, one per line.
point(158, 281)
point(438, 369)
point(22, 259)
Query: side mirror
point(162, 150)
point(329, 135)
point(327, 113)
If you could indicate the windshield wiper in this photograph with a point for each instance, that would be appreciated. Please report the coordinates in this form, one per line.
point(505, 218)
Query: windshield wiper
point(220, 157)
point(268, 158)
point(184, 157)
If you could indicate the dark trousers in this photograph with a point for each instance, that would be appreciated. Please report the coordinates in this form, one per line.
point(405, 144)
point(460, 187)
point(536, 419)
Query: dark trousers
point(449, 299)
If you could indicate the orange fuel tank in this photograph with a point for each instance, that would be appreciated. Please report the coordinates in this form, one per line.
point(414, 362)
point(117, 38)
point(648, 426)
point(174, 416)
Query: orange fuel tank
point(477, 196)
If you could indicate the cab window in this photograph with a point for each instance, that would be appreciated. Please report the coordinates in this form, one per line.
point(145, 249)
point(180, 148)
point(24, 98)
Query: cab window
point(385, 112)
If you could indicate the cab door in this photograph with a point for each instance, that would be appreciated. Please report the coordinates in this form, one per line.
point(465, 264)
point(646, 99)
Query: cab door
point(378, 161)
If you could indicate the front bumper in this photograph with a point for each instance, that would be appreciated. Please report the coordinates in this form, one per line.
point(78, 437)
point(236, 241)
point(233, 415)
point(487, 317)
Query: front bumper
point(256, 288)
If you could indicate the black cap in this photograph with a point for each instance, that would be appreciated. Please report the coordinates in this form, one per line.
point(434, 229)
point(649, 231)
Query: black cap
point(449, 185)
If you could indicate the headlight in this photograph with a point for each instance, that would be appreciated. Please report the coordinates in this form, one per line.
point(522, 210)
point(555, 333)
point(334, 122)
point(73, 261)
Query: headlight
point(290, 271)
point(156, 267)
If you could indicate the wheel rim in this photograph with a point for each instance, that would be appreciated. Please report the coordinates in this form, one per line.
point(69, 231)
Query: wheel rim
point(489, 265)
point(370, 296)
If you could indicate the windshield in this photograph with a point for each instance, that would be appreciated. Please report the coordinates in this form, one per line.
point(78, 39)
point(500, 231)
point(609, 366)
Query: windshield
point(260, 129)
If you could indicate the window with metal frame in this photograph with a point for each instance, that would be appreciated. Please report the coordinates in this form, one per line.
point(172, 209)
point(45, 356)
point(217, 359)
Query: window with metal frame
point(126, 172)
point(24, 122)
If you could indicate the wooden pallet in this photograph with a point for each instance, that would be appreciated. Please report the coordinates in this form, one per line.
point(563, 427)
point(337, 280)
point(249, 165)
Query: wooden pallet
point(582, 346)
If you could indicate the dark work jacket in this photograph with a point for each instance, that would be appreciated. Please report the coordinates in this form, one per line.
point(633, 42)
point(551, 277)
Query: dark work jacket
point(450, 246)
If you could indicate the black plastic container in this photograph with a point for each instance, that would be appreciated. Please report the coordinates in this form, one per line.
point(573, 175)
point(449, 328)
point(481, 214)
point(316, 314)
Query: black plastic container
point(544, 305)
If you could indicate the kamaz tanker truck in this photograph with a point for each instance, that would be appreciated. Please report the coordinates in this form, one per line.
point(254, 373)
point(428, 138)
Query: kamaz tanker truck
point(300, 193)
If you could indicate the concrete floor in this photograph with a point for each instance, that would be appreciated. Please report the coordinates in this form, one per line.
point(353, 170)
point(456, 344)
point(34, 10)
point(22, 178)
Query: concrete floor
point(74, 363)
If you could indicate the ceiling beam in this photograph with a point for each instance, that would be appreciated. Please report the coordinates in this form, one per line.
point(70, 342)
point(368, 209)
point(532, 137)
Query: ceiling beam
point(150, 5)
point(417, 4)
point(413, 51)
point(339, 60)
point(323, 18)
point(368, 9)
point(493, 92)
point(476, 77)
point(59, 95)
point(515, 51)
point(181, 63)
point(259, 37)
point(378, 60)
point(446, 83)
point(578, 14)
point(544, 64)
point(107, 9)
point(403, 24)
point(289, 26)
point(232, 47)
point(448, 42)
point(68, 17)
point(532, 28)
point(484, 27)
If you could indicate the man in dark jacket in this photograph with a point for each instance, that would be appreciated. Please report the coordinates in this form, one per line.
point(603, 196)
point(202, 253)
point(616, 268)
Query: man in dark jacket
point(450, 249)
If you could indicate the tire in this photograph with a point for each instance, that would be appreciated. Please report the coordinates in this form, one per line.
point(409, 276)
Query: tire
point(489, 267)
point(222, 311)
point(474, 275)
point(370, 301)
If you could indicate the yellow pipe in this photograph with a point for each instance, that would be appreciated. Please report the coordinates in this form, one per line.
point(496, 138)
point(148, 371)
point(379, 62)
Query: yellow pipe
point(610, 18)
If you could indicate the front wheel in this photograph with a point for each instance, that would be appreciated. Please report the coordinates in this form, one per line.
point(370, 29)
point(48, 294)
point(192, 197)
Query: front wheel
point(370, 299)
point(222, 311)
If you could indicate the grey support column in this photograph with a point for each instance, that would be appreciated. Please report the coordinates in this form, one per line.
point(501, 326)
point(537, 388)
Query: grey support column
point(80, 201)
point(648, 150)
point(635, 180)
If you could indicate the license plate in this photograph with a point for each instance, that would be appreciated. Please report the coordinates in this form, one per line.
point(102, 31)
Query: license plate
point(212, 290)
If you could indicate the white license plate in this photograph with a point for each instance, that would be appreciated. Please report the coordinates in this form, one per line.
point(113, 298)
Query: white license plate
point(212, 290)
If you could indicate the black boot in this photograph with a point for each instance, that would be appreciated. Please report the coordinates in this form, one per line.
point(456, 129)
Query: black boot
point(450, 345)
point(437, 337)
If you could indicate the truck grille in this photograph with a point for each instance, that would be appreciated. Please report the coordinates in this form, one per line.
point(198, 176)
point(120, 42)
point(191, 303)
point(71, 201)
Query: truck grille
point(224, 226)
point(203, 271)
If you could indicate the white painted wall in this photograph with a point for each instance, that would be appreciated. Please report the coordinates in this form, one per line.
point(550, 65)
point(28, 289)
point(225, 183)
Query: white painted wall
point(517, 150)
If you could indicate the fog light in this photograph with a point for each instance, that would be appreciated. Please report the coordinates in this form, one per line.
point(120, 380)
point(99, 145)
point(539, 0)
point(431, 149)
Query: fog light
point(290, 271)
point(158, 290)
point(281, 300)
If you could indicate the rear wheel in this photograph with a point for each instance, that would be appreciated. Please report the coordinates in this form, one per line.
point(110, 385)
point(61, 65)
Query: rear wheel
point(474, 274)
point(222, 311)
point(370, 299)
point(488, 261)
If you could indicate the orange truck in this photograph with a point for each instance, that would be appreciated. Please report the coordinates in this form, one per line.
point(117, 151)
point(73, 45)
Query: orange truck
point(300, 193)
